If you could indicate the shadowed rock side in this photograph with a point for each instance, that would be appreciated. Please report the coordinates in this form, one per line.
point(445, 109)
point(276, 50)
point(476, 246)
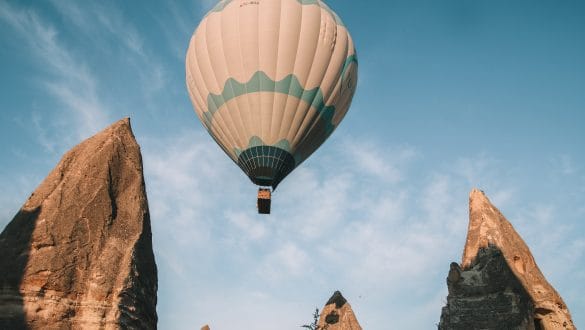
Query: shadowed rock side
point(490, 238)
point(338, 315)
point(486, 295)
point(78, 255)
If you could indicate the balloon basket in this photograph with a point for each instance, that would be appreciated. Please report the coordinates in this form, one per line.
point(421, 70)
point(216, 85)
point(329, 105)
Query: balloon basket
point(264, 196)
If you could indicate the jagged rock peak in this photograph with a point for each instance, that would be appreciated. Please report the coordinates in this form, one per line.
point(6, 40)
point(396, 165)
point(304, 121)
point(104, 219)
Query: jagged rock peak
point(486, 295)
point(78, 254)
point(489, 229)
point(338, 315)
point(337, 299)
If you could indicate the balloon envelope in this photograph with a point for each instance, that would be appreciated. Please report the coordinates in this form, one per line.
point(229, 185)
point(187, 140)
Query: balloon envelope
point(270, 80)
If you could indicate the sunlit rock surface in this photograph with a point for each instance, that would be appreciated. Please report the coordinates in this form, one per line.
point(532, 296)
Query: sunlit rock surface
point(499, 285)
point(338, 315)
point(78, 254)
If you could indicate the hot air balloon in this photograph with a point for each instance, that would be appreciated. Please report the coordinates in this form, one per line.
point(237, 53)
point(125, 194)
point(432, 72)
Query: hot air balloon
point(270, 80)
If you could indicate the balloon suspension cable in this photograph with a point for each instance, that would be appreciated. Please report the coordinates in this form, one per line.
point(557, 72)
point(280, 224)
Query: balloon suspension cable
point(264, 199)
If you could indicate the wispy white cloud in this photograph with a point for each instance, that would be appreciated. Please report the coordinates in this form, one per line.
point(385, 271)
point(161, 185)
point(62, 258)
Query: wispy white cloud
point(248, 226)
point(71, 82)
point(329, 230)
point(483, 171)
point(286, 262)
point(380, 162)
point(97, 18)
point(105, 24)
point(313, 206)
point(183, 175)
point(564, 165)
point(178, 30)
point(477, 169)
point(242, 309)
point(324, 221)
point(42, 135)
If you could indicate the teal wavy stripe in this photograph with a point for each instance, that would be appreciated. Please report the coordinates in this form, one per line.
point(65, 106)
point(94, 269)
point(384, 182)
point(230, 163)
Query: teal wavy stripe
point(348, 61)
point(283, 144)
point(260, 82)
point(223, 3)
point(256, 141)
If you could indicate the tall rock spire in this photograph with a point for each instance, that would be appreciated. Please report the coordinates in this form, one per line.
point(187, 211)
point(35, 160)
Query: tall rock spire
point(498, 263)
point(338, 315)
point(79, 254)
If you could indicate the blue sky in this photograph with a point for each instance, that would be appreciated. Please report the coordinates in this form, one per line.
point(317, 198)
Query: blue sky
point(452, 94)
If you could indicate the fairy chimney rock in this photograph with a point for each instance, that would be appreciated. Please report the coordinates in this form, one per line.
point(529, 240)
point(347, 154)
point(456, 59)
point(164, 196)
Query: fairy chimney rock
point(78, 254)
point(338, 315)
point(499, 271)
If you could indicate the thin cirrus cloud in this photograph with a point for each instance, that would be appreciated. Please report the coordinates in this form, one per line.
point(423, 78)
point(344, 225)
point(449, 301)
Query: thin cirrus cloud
point(180, 172)
point(102, 21)
point(308, 237)
point(105, 25)
point(177, 30)
point(71, 79)
point(367, 158)
point(71, 82)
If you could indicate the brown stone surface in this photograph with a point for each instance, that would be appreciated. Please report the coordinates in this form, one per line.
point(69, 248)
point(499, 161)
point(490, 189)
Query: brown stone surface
point(78, 255)
point(486, 295)
point(338, 315)
point(490, 231)
point(205, 327)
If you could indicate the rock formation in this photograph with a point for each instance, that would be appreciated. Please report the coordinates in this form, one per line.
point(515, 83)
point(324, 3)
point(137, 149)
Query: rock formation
point(486, 295)
point(499, 284)
point(338, 315)
point(205, 327)
point(78, 254)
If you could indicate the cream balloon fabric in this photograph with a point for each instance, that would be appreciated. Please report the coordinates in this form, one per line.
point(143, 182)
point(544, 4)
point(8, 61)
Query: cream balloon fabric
point(270, 80)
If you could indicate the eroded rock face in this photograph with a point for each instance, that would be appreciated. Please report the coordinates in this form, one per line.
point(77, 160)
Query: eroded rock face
point(338, 315)
point(492, 244)
point(486, 295)
point(78, 255)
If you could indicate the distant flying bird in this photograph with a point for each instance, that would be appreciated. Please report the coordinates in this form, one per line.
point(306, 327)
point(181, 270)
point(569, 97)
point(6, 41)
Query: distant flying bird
point(270, 80)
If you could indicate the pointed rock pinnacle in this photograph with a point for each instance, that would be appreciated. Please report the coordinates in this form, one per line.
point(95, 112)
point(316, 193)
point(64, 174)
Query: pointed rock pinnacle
point(78, 254)
point(338, 315)
point(488, 228)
